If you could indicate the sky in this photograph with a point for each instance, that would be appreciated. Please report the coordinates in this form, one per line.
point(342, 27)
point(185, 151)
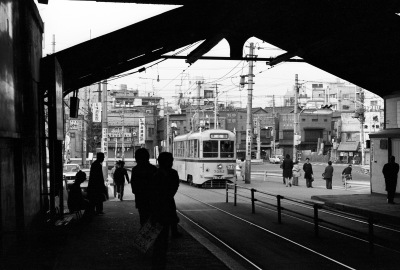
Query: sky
point(73, 22)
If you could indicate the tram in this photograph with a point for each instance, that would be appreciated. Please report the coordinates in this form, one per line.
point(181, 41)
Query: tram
point(206, 158)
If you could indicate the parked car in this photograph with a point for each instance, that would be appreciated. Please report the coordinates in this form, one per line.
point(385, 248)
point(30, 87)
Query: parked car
point(275, 159)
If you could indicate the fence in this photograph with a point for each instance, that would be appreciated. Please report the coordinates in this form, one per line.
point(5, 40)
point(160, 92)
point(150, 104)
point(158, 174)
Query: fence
point(315, 205)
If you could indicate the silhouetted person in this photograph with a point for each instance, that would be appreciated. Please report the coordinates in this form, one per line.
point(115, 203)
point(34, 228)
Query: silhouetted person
point(120, 175)
point(76, 201)
point(165, 184)
point(287, 167)
point(308, 173)
point(390, 171)
point(96, 188)
point(141, 177)
point(328, 175)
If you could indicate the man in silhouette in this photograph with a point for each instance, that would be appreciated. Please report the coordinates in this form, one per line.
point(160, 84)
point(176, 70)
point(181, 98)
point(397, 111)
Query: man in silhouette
point(390, 171)
point(96, 188)
point(164, 185)
point(141, 177)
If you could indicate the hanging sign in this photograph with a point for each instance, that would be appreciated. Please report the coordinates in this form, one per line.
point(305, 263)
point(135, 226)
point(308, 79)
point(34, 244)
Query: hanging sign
point(96, 111)
point(142, 131)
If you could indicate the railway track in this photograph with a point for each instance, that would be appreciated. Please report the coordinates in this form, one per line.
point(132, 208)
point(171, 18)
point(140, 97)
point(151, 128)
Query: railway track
point(317, 249)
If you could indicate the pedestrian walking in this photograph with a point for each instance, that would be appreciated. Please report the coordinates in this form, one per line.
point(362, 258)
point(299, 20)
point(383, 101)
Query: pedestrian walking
point(112, 176)
point(141, 177)
point(242, 167)
point(308, 173)
point(328, 175)
point(120, 175)
point(390, 171)
point(164, 186)
point(287, 167)
point(97, 190)
point(296, 172)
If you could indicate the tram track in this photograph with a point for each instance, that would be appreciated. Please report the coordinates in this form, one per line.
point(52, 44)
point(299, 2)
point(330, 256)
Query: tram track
point(331, 228)
point(254, 225)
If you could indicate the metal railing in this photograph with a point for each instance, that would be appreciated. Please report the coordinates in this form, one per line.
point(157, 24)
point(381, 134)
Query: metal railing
point(315, 205)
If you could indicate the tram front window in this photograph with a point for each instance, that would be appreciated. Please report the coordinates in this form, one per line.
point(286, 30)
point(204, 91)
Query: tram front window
point(227, 149)
point(210, 149)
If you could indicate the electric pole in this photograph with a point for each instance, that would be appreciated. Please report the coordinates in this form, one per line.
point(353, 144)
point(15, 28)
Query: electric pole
point(258, 129)
point(84, 127)
point(362, 120)
point(249, 125)
point(296, 122)
point(273, 124)
point(216, 107)
point(167, 128)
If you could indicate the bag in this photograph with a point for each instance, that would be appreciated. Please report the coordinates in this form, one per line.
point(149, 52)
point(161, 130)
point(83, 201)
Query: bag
point(146, 236)
point(312, 178)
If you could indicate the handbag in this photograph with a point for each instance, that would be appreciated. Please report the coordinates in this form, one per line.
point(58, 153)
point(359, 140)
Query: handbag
point(147, 235)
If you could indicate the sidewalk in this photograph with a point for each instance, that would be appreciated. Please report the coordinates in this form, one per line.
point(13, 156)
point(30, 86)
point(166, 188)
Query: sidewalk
point(105, 242)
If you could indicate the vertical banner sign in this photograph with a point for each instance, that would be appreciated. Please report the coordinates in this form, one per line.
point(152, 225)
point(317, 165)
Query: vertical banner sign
point(248, 143)
point(96, 110)
point(104, 142)
point(142, 131)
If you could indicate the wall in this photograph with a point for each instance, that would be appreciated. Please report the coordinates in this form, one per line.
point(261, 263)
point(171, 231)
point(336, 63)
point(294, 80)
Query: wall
point(20, 157)
point(378, 158)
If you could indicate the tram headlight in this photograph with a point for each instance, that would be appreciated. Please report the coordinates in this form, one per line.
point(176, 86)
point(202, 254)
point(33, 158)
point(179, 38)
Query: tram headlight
point(219, 166)
point(231, 167)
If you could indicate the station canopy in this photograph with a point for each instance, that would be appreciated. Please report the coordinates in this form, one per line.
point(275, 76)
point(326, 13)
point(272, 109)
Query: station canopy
point(357, 41)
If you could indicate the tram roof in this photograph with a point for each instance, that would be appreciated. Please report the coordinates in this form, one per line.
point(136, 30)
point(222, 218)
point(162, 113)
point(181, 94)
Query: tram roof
point(205, 133)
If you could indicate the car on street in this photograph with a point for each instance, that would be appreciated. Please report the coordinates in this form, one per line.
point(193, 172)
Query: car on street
point(69, 172)
point(275, 159)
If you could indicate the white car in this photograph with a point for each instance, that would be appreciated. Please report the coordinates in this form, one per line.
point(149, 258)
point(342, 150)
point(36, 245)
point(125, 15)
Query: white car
point(275, 159)
point(69, 172)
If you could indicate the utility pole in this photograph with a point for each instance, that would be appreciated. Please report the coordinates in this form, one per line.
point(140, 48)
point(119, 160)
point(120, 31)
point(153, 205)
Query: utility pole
point(123, 127)
point(273, 124)
point(198, 105)
point(104, 130)
point(296, 120)
point(362, 120)
point(84, 127)
point(167, 128)
point(258, 128)
point(216, 107)
point(249, 125)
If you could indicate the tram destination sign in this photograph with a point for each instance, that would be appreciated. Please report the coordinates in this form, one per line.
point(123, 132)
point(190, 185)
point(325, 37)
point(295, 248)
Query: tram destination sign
point(219, 136)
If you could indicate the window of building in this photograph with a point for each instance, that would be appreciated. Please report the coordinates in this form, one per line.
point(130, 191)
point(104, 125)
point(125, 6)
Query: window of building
point(303, 119)
point(325, 120)
point(374, 103)
point(314, 120)
point(233, 120)
point(312, 135)
point(229, 120)
point(241, 117)
point(233, 114)
point(346, 96)
point(345, 107)
point(288, 135)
